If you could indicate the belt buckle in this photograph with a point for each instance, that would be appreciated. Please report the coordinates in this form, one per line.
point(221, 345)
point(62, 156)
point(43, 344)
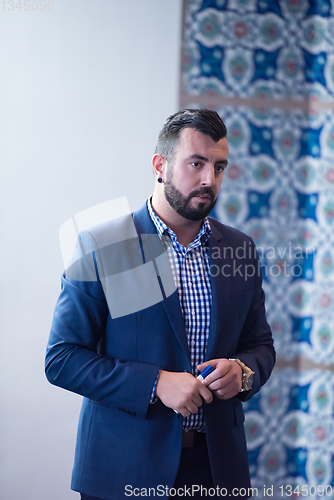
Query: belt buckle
point(188, 439)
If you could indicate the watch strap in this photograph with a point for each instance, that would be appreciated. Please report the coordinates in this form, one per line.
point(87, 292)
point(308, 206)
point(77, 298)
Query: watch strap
point(247, 375)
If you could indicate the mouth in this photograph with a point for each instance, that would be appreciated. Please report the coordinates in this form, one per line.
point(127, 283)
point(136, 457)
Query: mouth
point(203, 197)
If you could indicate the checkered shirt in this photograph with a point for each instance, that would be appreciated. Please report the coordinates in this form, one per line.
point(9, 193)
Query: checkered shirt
point(190, 268)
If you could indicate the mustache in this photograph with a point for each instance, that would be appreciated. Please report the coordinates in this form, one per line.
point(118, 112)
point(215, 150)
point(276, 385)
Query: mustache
point(202, 191)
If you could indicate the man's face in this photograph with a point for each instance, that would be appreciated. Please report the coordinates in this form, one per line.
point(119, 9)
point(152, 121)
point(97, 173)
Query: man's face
point(195, 174)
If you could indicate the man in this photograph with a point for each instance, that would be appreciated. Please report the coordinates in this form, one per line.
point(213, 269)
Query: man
point(147, 424)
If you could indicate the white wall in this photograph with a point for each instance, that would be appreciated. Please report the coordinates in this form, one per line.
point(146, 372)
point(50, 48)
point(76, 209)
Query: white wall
point(84, 91)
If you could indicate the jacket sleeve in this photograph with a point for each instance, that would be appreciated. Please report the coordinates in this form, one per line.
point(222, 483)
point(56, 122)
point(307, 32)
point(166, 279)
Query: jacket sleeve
point(73, 361)
point(255, 347)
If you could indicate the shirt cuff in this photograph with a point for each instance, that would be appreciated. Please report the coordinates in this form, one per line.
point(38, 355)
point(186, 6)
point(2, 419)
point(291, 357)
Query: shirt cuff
point(154, 398)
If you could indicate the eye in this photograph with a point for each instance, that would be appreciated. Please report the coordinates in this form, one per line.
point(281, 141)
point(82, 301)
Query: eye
point(196, 164)
point(220, 168)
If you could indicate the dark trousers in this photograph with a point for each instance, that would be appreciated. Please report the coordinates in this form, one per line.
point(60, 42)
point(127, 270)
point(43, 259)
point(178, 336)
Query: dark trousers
point(193, 476)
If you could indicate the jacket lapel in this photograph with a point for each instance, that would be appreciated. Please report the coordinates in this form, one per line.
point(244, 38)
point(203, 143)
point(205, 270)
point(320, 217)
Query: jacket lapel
point(151, 248)
point(220, 288)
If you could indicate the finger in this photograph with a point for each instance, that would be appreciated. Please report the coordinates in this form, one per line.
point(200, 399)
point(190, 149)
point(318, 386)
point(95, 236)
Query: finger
point(213, 377)
point(220, 382)
point(225, 395)
point(197, 400)
point(216, 385)
point(225, 384)
point(192, 407)
point(218, 374)
point(202, 366)
point(206, 394)
point(212, 362)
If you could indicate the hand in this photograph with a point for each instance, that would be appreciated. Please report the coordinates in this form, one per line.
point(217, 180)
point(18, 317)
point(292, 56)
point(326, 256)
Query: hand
point(182, 392)
point(226, 379)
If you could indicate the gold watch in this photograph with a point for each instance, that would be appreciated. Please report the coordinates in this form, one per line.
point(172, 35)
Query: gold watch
point(247, 375)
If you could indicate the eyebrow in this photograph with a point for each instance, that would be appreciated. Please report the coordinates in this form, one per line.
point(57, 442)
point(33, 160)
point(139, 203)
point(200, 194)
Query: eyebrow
point(199, 157)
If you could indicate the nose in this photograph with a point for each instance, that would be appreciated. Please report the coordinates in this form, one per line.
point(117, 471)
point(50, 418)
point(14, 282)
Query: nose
point(208, 176)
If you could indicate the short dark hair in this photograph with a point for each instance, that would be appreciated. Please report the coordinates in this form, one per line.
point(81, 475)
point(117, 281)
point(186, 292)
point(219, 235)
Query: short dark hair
point(203, 120)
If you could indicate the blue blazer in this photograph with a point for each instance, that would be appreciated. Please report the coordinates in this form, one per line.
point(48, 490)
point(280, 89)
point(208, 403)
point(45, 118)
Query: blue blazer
point(113, 359)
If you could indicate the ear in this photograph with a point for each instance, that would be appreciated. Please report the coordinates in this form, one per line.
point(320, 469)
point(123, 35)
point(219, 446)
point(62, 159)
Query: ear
point(159, 164)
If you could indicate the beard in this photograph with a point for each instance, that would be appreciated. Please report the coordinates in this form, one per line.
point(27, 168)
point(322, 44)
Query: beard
point(181, 204)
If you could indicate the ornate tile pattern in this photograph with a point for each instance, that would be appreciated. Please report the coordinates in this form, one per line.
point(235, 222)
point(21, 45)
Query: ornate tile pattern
point(267, 66)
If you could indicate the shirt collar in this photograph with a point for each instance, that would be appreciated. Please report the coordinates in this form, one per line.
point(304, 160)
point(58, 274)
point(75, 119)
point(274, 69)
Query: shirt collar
point(162, 228)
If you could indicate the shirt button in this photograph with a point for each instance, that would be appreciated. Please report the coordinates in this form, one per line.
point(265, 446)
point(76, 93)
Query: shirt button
point(190, 283)
point(193, 313)
point(193, 343)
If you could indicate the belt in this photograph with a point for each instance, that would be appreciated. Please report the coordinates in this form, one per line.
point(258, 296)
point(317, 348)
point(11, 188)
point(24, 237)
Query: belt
point(193, 438)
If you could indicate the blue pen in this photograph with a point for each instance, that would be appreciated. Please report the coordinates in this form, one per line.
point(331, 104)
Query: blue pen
point(202, 376)
point(205, 373)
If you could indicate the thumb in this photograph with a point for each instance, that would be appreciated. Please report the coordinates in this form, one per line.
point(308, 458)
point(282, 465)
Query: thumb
point(212, 362)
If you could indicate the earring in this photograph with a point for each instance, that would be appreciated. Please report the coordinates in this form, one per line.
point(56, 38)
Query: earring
point(160, 180)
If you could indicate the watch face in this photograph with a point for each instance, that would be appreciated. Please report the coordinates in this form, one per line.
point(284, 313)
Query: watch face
point(249, 381)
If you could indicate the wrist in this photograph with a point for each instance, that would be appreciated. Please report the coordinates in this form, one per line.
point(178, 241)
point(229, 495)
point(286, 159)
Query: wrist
point(247, 375)
point(159, 382)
